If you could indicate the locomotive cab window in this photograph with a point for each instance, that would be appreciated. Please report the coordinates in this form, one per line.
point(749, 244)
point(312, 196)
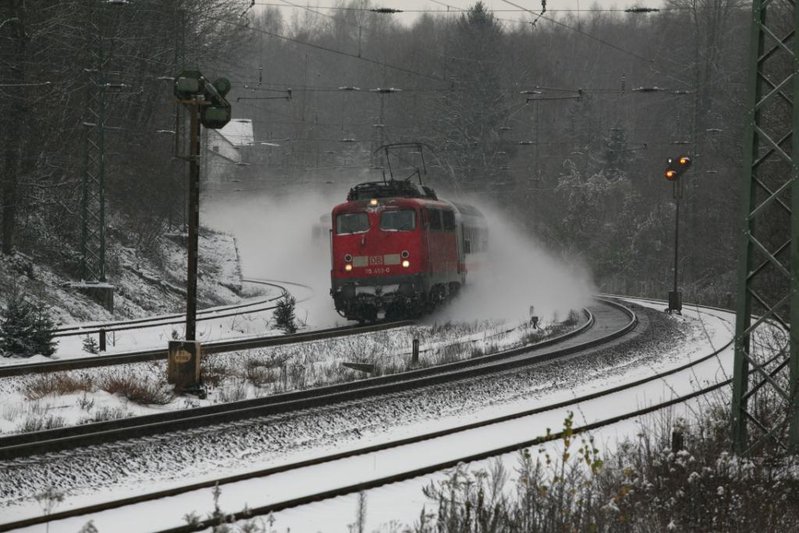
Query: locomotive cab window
point(352, 223)
point(401, 220)
point(434, 218)
point(448, 218)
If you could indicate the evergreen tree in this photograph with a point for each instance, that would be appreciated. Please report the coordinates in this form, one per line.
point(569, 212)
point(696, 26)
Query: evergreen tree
point(25, 330)
point(284, 314)
point(471, 113)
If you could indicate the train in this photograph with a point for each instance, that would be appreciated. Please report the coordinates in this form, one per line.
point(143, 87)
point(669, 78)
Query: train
point(397, 250)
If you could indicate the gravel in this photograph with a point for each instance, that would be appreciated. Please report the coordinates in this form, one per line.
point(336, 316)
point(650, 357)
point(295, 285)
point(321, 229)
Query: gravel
point(179, 457)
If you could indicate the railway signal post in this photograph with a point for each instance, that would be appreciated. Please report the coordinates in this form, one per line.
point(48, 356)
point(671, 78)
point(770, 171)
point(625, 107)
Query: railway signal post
point(207, 107)
point(674, 169)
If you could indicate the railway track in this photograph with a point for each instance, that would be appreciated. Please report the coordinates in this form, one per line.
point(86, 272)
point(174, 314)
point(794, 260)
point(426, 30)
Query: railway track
point(183, 497)
point(41, 442)
point(24, 444)
point(210, 347)
point(255, 306)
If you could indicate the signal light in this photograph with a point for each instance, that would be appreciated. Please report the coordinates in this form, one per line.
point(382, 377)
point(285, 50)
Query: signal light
point(189, 83)
point(218, 113)
point(676, 168)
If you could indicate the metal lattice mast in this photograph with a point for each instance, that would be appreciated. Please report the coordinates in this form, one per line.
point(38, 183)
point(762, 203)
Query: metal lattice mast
point(765, 404)
point(93, 183)
point(93, 195)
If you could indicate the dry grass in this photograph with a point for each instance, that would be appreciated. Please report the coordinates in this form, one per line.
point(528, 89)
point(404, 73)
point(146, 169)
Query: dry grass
point(56, 384)
point(646, 487)
point(40, 423)
point(260, 372)
point(233, 391)
point(143, 392)
point(139, 390)
point(106, 413)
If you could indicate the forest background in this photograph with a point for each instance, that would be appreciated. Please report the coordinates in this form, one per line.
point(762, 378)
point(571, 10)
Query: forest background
point(564, 121)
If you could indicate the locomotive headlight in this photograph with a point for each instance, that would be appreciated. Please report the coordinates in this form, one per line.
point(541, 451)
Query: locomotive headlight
point(348, 267)
point(348, 258)
point(373, 202)
point(405, 254)
point(406, 263)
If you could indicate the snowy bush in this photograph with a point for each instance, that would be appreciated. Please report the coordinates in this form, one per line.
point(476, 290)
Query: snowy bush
point(646, 486)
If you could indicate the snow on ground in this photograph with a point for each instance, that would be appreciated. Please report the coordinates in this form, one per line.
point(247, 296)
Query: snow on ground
point(399, 504)
point(143, 287)
point(37, 401)
point(175, 459)
point(274, 238)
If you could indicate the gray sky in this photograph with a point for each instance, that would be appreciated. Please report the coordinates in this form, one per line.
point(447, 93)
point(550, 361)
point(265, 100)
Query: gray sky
point(505, 11)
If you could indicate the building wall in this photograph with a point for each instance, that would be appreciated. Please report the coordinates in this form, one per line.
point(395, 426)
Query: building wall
point(219, 160)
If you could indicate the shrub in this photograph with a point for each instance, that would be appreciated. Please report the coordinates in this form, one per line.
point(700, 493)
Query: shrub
point(90, 345)
point(36, 423)
point(284, 314)
point(57, 384)
point(647, 486)
point(551, 493)
point(137, 391)
point(25, 330)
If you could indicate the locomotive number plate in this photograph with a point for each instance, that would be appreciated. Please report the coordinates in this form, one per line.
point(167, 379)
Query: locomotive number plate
point(375, 260)
point(378, 270)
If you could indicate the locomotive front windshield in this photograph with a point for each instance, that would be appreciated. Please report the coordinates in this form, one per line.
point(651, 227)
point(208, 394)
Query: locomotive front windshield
point(352, 223)
point(402, 220)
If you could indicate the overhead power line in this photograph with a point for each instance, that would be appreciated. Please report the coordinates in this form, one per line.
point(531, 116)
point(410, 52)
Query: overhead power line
point(454, 10)
point(326, 49)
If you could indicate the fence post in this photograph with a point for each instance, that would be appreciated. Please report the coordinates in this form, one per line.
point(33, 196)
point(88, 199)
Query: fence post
point(102, 340)
point(415, 355)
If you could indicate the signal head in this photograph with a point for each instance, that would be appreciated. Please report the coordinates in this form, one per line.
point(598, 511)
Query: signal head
point(188, 84)
point(671, 174)
point(222, 86)
point(684, 161)
point(215, 116)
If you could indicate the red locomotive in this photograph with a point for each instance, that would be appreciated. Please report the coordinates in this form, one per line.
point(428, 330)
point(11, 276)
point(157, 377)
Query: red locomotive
point(398, 250)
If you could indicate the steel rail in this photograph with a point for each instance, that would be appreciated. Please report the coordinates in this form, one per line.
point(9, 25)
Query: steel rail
point(661, 301)
point(176, 318)
point(40, 442)
point(220, 346)
point(250, 512)
point(380, 447)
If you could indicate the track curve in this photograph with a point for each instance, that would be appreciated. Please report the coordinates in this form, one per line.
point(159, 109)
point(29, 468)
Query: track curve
point(381, 480)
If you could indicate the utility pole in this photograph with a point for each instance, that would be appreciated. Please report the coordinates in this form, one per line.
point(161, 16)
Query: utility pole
point(768, 271)
point(207, 105)
point(93, 249)
point(15, 59)
point(194, 219)
point(381, 125)
point(674, 170)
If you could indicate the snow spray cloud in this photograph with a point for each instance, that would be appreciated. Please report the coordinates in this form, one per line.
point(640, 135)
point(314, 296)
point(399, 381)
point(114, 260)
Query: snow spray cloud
point(276, 241)
point(281, 238)
point(514, 274)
